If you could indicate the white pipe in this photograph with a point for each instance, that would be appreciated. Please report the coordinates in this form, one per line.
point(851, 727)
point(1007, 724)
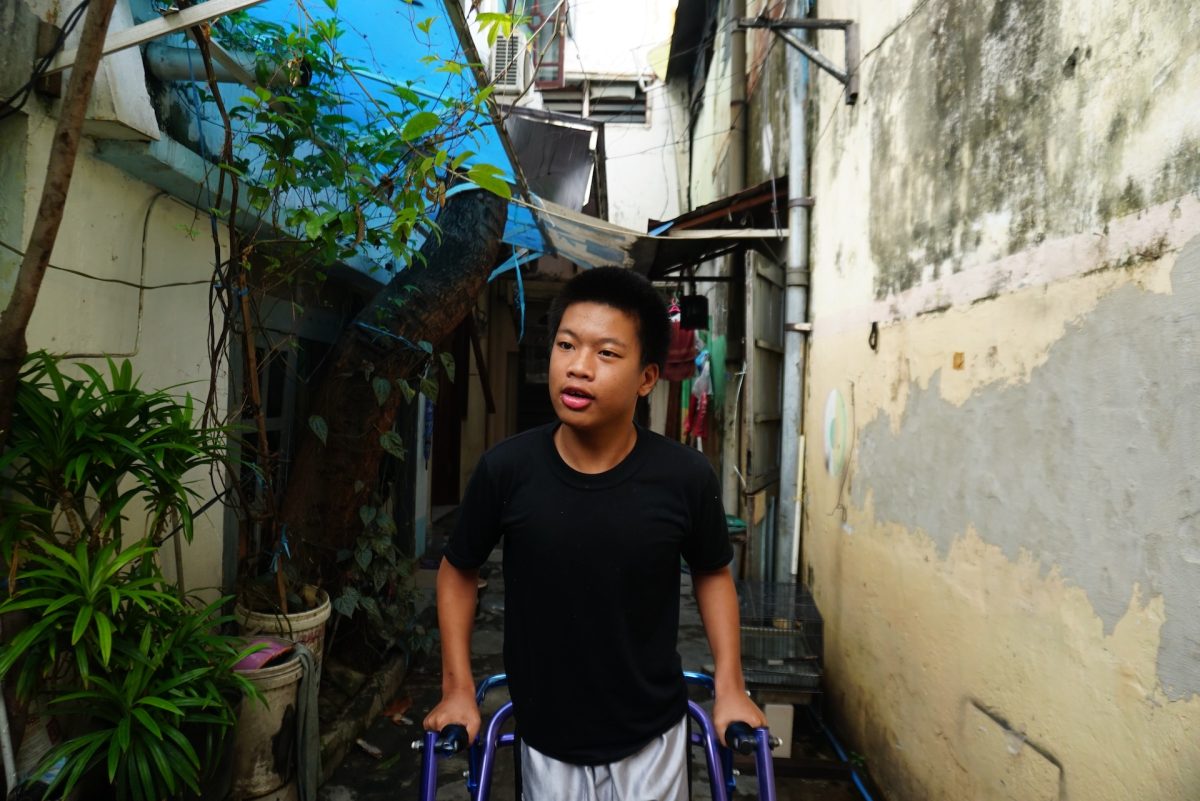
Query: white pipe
point(795, 313)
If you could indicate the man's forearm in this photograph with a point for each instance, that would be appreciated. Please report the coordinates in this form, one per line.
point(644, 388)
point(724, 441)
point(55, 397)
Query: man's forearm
point(456, 597)
point(717, 598)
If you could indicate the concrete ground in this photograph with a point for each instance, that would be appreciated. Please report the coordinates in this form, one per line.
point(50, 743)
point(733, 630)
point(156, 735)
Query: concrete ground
point(393, 775)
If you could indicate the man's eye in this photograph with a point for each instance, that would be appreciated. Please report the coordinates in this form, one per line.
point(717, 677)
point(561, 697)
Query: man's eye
point(608, 353)
point(563, 345)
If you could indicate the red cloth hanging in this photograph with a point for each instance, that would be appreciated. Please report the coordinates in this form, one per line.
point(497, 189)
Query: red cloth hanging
point(681, 354)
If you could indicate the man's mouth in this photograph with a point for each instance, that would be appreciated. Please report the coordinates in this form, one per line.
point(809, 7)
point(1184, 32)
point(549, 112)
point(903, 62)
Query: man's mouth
point(576, 399)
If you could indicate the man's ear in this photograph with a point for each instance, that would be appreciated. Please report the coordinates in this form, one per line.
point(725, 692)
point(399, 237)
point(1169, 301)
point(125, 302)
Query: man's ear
point(649, 379)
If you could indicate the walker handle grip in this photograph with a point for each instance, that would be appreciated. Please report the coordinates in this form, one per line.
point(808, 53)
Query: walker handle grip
point(741, 738)
point(451, 740)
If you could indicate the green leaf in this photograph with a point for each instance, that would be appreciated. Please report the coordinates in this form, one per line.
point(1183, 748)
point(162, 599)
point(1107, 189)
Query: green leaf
point(81, 623)
point(313, 228)
point(485, 177)
point(406, 389)
point(364, 556)
point(419, 124)
point(366, 514)
point(146, 720)
point(123, 738)
point(104, 628)
point(161, 703)
point(319, 427)
point(460, 158)
point(391, 442)
point(383, 389)
point(425, 24)
point(426, 346)
point(429, 388)
point(448, 364)
point(347, 602)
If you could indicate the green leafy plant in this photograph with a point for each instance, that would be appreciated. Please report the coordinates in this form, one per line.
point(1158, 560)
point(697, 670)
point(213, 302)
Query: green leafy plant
point(77, 602)
point(158, 711)
point(82, 450)
point(378, 584)
point(109, 642)
point(345, 179)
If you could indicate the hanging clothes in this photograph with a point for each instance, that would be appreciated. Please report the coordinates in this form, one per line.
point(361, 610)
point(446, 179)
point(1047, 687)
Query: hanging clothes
point(696, 425)
point(681, 354)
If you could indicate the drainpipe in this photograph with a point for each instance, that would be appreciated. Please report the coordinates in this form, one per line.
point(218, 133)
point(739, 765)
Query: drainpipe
point(738, 111)
point(795, 316)
point(735, 433)
point(171, 63)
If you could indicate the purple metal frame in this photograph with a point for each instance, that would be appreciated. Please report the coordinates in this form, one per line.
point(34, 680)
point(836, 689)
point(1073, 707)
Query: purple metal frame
point(482, 753)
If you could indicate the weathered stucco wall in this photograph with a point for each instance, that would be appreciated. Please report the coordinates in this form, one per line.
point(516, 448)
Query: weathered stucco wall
point(1002, 516)
point(644, 163)
point(116, 227)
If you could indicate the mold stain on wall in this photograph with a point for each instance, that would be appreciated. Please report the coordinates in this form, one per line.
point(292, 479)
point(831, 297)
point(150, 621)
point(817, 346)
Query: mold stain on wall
point(1089, 466)
point(980, 145)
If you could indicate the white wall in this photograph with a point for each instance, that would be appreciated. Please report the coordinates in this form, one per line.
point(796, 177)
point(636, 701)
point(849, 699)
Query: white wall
point(117, 227)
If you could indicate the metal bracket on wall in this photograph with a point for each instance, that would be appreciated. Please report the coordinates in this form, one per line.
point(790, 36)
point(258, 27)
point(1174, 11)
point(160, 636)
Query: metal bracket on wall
point(782, 27)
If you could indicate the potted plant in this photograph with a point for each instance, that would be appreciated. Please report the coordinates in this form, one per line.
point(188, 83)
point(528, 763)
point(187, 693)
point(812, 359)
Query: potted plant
point(140, 676)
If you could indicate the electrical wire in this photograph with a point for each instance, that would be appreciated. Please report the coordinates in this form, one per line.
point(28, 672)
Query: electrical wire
point(121, 281)
point(17, 101)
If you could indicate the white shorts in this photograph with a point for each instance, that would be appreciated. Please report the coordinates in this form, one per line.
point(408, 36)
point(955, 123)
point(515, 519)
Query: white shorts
point(656, 773)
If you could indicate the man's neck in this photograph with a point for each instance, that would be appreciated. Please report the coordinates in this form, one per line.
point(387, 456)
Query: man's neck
point(594, 452)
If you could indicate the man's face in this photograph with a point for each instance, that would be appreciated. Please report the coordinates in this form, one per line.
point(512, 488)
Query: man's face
point(596, 372)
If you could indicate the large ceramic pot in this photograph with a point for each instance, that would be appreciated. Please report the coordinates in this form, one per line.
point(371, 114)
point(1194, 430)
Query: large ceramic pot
point(307, 628)
point(264, 740)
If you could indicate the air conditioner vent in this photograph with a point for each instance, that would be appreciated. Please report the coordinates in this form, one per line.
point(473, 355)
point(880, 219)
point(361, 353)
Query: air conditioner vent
point(507, 64)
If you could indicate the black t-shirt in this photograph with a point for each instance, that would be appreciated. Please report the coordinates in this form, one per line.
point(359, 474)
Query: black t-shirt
point(591, 585)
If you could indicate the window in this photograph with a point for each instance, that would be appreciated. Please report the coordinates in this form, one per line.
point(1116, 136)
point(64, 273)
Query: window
point(617, 102)
point(548, 18)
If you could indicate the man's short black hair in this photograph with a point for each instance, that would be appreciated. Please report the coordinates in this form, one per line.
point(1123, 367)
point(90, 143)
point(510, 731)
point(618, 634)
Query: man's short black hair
point(625, 291)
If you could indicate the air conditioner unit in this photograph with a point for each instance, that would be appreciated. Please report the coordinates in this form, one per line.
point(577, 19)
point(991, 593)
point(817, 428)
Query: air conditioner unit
point(508, 66)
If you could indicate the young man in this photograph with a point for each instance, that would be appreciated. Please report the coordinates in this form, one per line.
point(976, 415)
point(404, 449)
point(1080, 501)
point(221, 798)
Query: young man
point(595, 513)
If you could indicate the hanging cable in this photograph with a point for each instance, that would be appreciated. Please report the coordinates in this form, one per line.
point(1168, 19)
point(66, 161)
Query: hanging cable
point(16, 102)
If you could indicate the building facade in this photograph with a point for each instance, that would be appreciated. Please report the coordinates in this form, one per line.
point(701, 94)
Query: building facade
point(999, 512)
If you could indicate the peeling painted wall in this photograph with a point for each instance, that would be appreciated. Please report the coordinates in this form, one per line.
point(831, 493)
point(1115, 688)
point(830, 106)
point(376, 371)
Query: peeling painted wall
point(116, 228)
point(1002, 513)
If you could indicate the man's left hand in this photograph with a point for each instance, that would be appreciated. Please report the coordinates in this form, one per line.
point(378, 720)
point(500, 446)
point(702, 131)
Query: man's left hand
point(735, 707)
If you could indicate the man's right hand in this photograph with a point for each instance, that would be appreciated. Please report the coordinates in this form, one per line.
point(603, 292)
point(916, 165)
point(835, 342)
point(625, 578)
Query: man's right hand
point(455, 707)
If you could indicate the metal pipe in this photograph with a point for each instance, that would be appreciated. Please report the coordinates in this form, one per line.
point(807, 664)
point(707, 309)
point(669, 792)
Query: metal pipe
point(837, 747)
point(711, 754)
point(490, 740)
point(429, 767)
point(170, 63)
point(735, 437)
point(795, 313)
point(736, 156)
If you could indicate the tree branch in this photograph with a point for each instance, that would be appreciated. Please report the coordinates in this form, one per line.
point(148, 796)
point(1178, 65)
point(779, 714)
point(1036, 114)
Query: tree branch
point(14, 320)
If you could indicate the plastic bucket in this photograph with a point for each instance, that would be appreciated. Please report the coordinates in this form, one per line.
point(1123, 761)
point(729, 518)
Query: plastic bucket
point(264, 740)
point(307, 628)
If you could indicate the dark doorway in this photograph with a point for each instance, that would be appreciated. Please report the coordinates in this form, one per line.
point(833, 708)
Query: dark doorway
point(449, 411)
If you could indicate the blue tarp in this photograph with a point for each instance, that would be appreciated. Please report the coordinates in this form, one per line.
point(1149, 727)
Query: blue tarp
point(403, 43)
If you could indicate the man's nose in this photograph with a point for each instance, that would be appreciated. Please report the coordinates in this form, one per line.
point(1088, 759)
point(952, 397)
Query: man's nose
point(580, 365)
